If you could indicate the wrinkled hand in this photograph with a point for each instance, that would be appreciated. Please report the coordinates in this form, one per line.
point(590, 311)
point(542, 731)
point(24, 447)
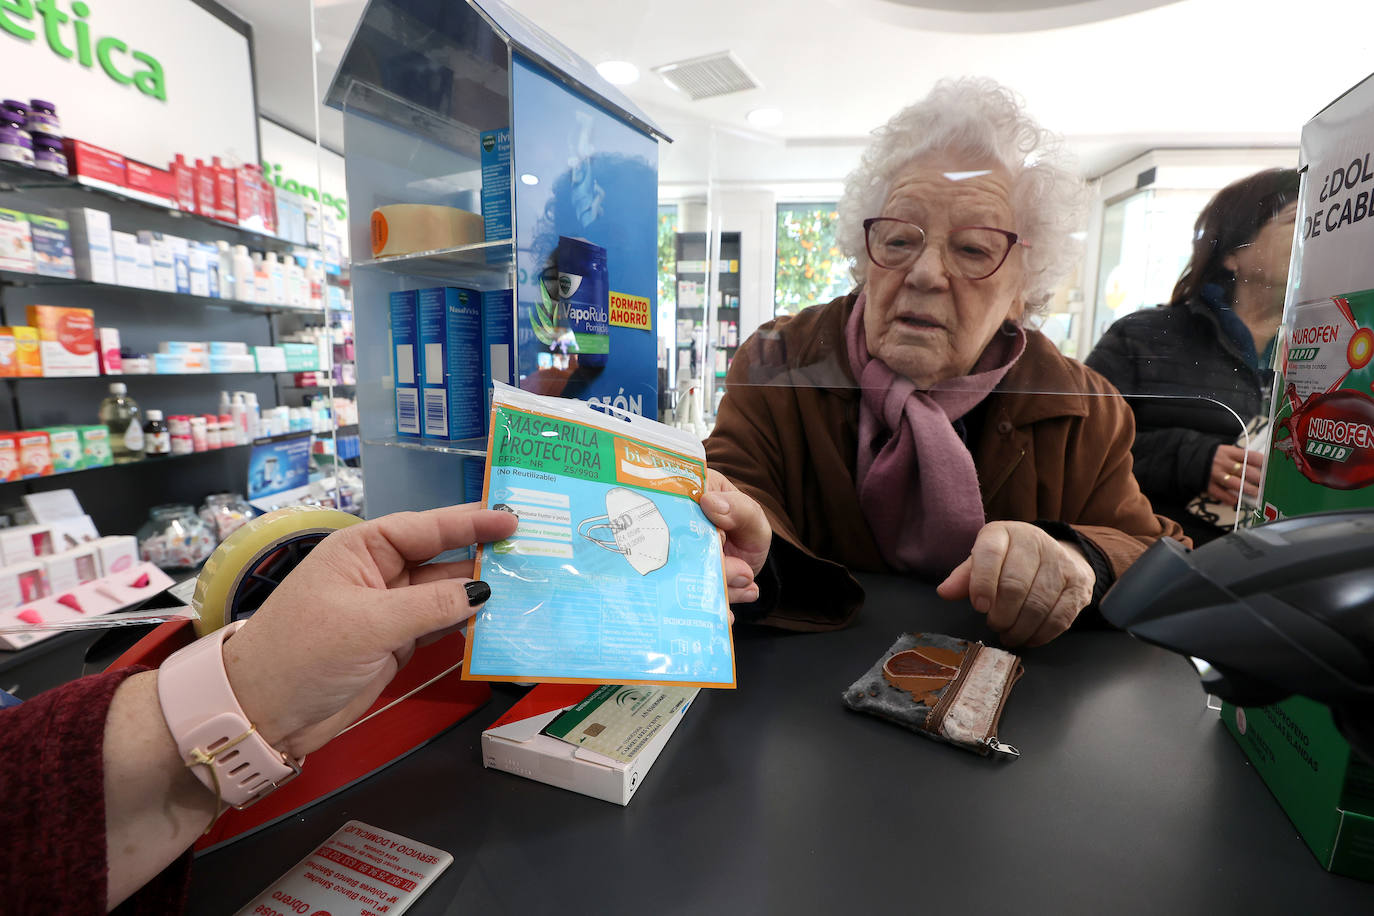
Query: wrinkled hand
point(339, 627)
point(1232, 465)
point(745, 533)
point(1030, 586)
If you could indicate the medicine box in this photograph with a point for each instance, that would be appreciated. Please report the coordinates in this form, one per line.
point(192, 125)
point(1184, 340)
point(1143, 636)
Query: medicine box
point(66, 340)
point(407, 360)
point(245, 363)
point(92, 244)
point(496, 155)
point(451, 401)
point(181, 262)
point(35, 454)
point(228, 348)
point(498, 339)
point(52, 246)
point(301, 357)
point(64, 443)
point(125, 248)
point(95, 166)
point(9, 365)
point(107, 350)
point(9, 457)
point(150, 182)
point(270, 359)
point(28, 362)
point(147, 273)
point(16, 242)
point(516, 743)
point(95, 446)
point(1326, 790)
point(164, 264)
point(198, 264)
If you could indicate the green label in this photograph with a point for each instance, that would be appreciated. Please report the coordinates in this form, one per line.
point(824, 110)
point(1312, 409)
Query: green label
point(543, 444)
point(70, 35)
point(272, 170)
point(1302, 354)
point(1329, 450)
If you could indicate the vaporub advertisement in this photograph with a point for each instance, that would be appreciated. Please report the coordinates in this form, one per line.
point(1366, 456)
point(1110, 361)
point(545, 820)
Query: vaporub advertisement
point(614, 573)
point(587, 247)
point(1322, 445)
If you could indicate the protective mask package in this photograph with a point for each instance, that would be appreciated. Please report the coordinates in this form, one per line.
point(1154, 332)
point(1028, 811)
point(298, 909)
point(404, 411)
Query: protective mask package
point(614, 574)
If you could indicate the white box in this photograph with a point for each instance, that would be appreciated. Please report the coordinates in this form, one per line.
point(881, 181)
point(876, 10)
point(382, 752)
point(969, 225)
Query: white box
point(92, 244)
point(16, 242)
point(147, 274)
point(118, 552)
point(513, 743)
point(164, 262)
point(270, 359)
point(75, 531)
point(21, 583)
point(181, 262)
point(61, 570)
point(198, 263)
point(183, 347)
point(125, 248)
point(228, 348)
point(25, 542)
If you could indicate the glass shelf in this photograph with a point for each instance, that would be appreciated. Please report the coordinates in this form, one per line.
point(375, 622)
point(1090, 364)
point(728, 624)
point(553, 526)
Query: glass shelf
point(15, 177)
point(489, 262)
point(19, 278)
point(473, 448)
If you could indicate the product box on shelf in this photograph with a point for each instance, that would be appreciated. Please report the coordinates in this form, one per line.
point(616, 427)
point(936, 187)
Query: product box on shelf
point(22, 582)
point(241, 363)
point(9, 458)
point(147, 269)
point(150, 182)
point(227, 348)
point(291, 216)
point(28, 360)
point(52, 246)
point(107, 349)
point(92, 244)
point(95, 446)
point(164, 265)
point(118, 552)
point(270, 359)
point(24, 542)
point(184, 182)
point(95, 166)
point(407, 360)
point(181, 262)
point(178, 364)
point(301, 357)
point(9, 366)
point(35, 454)
point(64, 443)
point(451, 401)
point(226, 191)
point(66, 340)
point(498, 339)
point(16, 242)
point(62, 572)
point(99, 596)
point(205, 189)
point(68, 531)
point(125, 247)
point(198, 257)
point(496, 196)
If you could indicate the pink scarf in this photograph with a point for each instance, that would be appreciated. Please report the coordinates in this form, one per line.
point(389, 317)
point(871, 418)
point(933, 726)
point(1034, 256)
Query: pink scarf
point(919, 490)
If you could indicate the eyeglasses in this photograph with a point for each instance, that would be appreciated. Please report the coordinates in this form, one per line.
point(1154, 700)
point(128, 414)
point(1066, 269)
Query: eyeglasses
point(970, 252)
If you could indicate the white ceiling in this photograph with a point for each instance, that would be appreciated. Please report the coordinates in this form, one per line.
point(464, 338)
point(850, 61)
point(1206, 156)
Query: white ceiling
point(1193, 73)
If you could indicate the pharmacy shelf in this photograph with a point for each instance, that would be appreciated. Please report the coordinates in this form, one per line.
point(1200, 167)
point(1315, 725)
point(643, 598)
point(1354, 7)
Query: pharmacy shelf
point(126, 377)
point(472, 448)
point(14, 177)
point(483, 262)
point(19, 278)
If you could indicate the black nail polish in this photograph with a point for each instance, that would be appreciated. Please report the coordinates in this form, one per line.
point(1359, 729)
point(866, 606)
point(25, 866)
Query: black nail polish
point(478, 592)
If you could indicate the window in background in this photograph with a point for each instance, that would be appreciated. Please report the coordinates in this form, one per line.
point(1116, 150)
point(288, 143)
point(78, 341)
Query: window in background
point(810, 269)
point(667, 281)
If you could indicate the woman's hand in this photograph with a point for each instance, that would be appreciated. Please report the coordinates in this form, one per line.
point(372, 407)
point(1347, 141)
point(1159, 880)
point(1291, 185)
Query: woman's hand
point(745, 532)
point(335, 632)
point(1030, 586)
point(1232, 466)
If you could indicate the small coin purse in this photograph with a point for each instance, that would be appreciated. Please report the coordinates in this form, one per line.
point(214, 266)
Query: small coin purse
point(948, 689)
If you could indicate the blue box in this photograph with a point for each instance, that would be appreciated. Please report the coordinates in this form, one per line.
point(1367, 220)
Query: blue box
point(498, 339)
point(496, 183)
point(407, 361)
point(451, 340)
point(52, 246)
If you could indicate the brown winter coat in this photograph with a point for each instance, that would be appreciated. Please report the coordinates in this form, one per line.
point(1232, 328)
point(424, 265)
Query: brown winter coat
point(787, 434)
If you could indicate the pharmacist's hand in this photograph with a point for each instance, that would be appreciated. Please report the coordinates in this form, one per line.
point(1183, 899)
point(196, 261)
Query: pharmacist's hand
point(745, 533)
point(1030, 586)
point(1230, 465)
point(337, 629)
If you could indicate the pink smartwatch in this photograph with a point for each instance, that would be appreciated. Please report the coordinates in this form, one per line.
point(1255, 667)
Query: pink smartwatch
point(211, 731)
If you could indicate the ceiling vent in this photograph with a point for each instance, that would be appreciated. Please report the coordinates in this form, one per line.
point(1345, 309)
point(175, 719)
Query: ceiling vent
point(707, 77)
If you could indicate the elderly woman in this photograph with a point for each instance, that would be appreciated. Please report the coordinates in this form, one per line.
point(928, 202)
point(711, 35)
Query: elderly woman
point(915, 425)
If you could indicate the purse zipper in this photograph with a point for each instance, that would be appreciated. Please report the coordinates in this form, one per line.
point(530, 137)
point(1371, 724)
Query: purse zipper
point(999, 749)
point(937, 712)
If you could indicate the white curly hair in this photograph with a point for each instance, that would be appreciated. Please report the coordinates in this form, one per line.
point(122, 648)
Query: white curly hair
point(979, 117)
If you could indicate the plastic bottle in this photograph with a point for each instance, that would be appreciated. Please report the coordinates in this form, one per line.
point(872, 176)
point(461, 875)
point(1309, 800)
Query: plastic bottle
point(276, 277)
point(212, 432)
point(252, 415)
point(314, 280)
point(226, 270)
point(237, 414)
point(262, 280)
point(242, 273)
point(119, 413)
point(228, 432)
point(157, 440)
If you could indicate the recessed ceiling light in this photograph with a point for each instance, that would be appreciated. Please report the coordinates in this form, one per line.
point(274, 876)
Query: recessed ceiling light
point(764, 117)
point(527, 178)
point(618, 72)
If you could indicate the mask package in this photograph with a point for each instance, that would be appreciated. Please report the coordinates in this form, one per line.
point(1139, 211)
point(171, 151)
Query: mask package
point(614, 574)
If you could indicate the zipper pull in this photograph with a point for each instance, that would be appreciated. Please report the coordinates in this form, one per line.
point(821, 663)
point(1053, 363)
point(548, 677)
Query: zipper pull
point(999, 749)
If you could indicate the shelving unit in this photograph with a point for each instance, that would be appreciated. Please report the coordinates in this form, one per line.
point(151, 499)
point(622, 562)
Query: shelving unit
point(713, 299)
point(143, 317)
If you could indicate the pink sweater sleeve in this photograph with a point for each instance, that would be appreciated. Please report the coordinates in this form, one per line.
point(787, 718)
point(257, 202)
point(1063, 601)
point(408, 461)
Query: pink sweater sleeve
point(52, 806)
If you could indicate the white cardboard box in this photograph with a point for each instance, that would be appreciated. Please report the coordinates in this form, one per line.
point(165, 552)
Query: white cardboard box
point(513, 743)
point(92, 244)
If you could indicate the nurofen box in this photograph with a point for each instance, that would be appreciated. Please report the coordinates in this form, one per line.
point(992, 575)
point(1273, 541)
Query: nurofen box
point(407, 360)
point(65, 445)
point(16, 242)
point(52, 246)
point(66, 340)
point(35, 454)
point(9, 457)
point(452, 402)
point(28, 361)
point(95, 446)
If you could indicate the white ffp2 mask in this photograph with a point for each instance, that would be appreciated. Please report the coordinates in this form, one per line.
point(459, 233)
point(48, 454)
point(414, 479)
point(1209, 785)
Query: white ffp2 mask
point(640, 534)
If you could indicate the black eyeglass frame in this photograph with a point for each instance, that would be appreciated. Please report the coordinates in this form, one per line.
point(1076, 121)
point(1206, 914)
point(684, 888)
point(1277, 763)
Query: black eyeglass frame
point(1012, 241)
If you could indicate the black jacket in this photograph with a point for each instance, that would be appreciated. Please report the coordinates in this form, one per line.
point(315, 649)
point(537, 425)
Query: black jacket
point(1181, 368)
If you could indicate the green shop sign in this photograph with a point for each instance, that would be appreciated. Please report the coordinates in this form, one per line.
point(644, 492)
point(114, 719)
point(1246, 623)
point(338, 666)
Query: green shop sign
point(69, 36)
point(272, 170)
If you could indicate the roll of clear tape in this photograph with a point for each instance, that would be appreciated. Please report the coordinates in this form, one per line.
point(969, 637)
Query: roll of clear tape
point(236, 563)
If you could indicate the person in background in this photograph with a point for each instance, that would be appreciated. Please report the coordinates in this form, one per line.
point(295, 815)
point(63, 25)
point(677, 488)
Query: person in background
point(1195, 370)
point(916, 425)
